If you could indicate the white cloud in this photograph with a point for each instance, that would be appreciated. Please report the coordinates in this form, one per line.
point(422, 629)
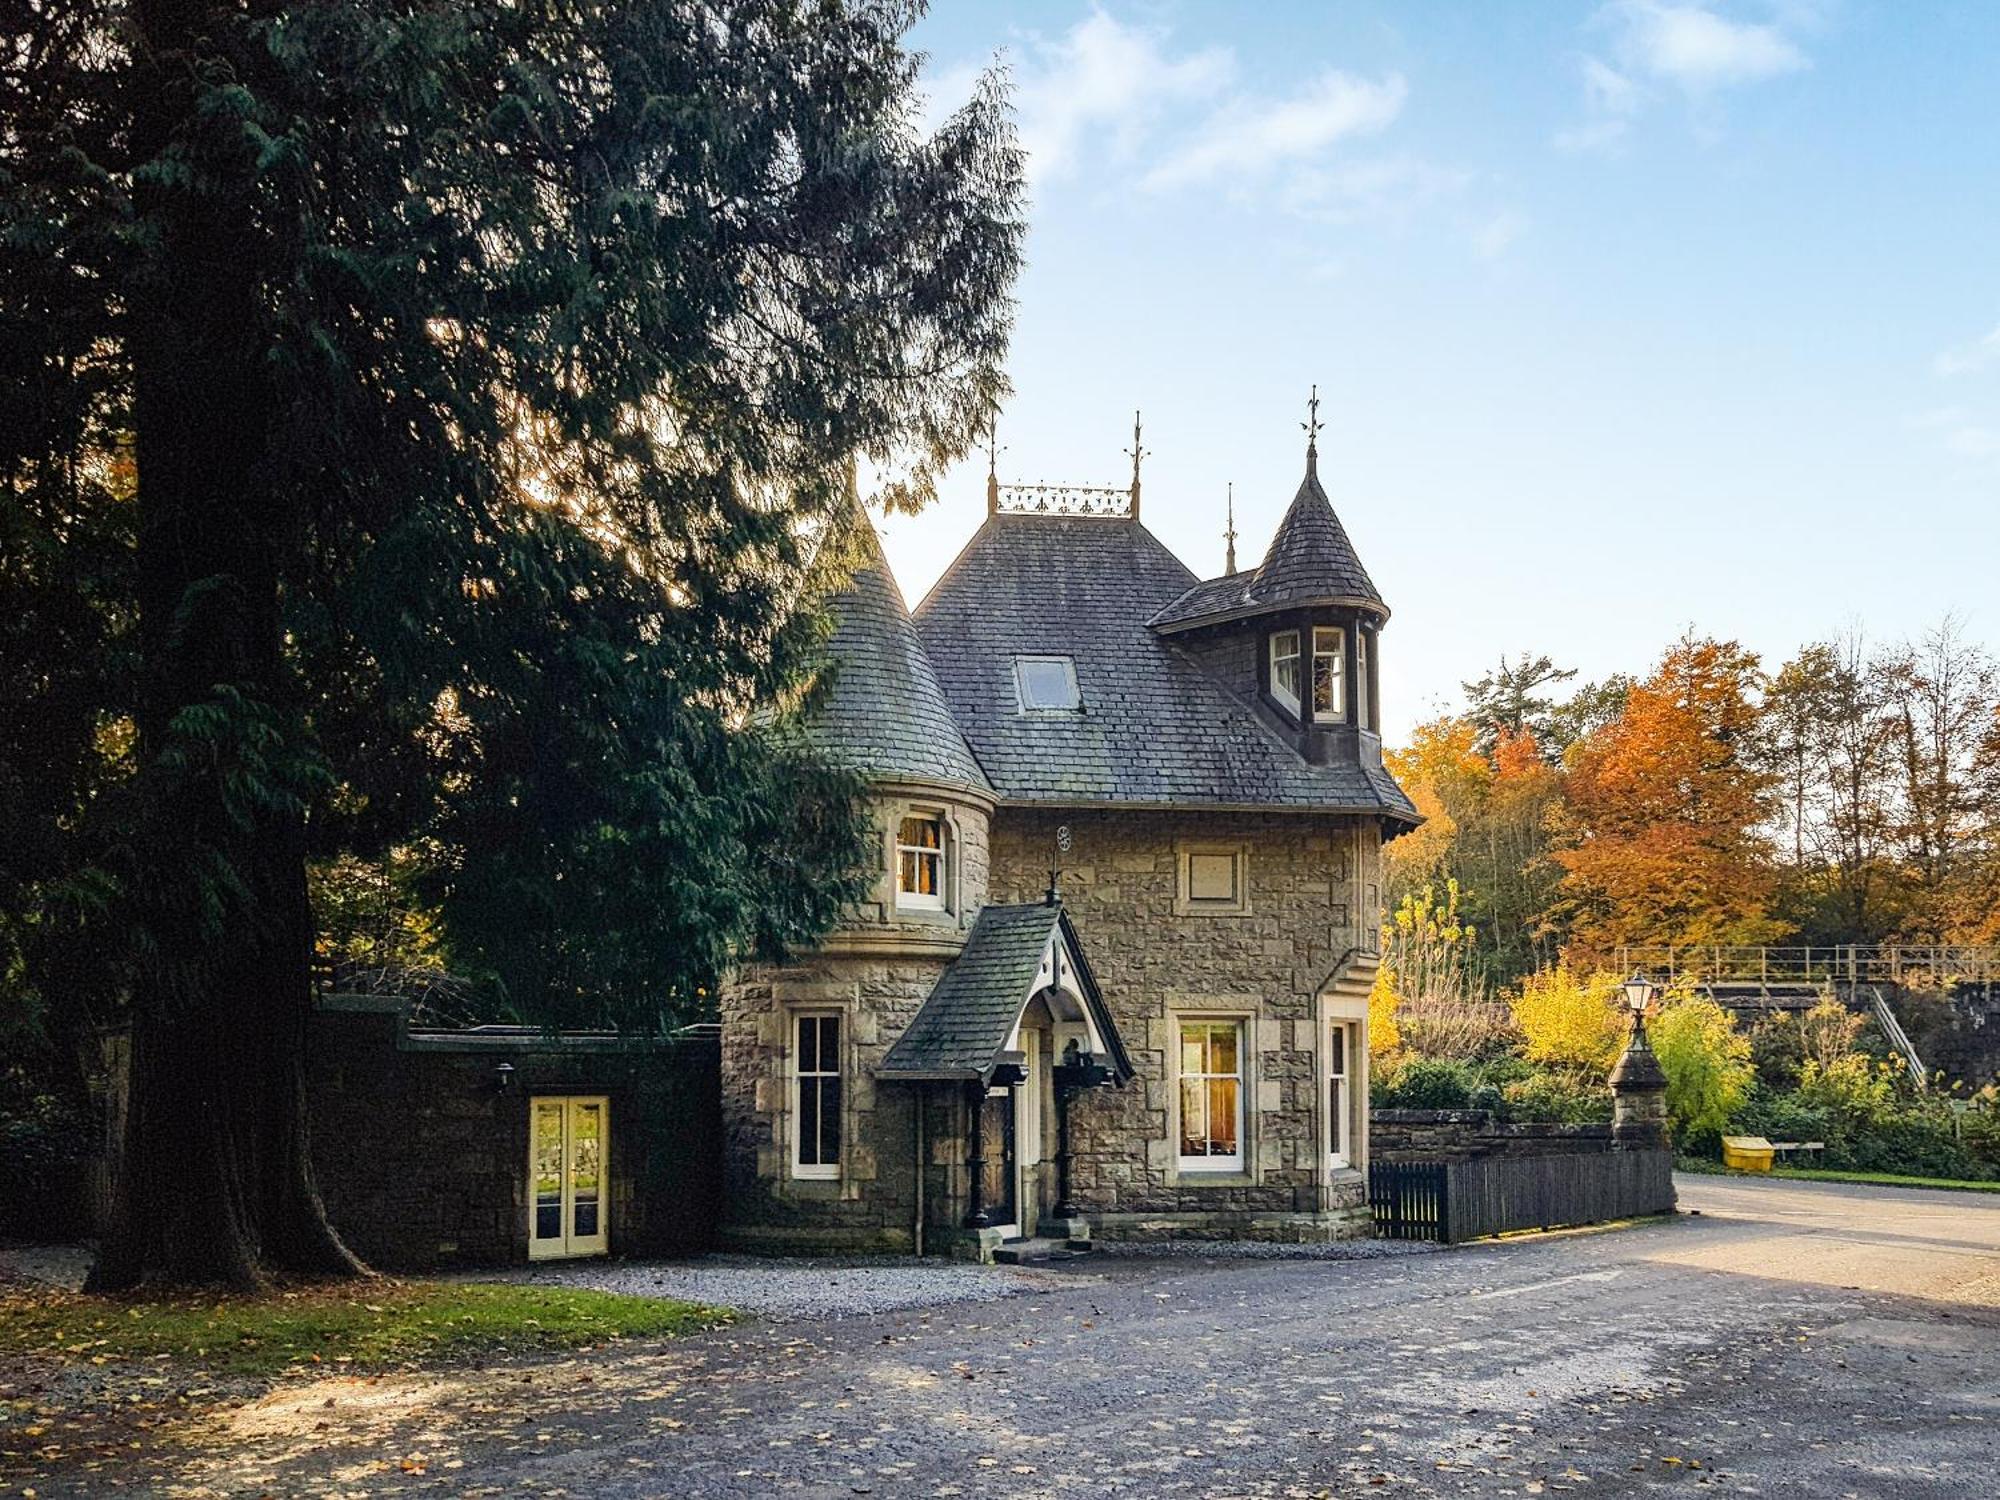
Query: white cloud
point(1244, 138)
point(1690, 48)
point(1694, 47)
point(1105, 81)
point(1965, 433)
point(1112, 94)
point(1381, 190)
point(1971, 359)
point(1492, 239)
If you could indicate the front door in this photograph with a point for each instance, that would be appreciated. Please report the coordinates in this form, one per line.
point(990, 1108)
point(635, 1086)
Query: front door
point(568, 1207)
point(1000, 1179)
point(1028, 1132)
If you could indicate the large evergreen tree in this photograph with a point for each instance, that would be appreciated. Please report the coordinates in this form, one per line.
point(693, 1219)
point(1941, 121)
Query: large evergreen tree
point(489, 370)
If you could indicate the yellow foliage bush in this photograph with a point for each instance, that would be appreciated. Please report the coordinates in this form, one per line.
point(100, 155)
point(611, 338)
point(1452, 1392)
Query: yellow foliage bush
point(1571, 1021)
point(1385, 1034)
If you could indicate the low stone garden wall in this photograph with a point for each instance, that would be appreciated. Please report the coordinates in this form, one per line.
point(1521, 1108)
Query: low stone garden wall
point(1396, 1135)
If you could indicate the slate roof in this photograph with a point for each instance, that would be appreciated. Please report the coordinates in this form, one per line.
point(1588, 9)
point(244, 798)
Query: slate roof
point(883, 712)
point(1310, 560)
point(1154, 728)
point(969, 1015)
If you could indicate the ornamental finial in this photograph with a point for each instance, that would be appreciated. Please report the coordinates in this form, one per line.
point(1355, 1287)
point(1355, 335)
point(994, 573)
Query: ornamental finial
point(993, 462)
point(1311, 429)
point(1229, 535)
point(1136, 452)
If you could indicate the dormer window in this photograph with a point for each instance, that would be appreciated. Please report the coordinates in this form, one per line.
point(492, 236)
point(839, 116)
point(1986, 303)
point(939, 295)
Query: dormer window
point(920, 862)
point(1285, 668)
point(1046, 683)
point(1329, 672)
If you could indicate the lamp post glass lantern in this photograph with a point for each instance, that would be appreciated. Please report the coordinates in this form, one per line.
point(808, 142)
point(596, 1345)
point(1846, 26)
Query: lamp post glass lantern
point(1638, 991)
point(1638, 995)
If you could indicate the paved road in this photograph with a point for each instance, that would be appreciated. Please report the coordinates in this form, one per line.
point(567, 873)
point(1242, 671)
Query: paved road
point(1787, 1340)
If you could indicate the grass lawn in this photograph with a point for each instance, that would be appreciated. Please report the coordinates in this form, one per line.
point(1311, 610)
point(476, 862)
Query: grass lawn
point(345, 1326)
point(1817, 1174)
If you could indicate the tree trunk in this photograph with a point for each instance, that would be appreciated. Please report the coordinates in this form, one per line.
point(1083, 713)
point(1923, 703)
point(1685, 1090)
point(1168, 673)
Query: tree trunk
point(216, 1183)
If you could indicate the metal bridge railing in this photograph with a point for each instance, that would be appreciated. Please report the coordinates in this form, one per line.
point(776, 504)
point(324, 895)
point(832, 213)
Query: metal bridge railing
point(1847, 963)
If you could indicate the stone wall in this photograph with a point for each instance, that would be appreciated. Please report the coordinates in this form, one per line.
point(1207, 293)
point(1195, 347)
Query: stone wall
point(876, 971)
point(423, 1158)
point(1312, 882)
point(1470, 1134)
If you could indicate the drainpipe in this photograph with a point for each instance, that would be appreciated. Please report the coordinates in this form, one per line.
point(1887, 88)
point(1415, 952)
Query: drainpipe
point(917, 1129)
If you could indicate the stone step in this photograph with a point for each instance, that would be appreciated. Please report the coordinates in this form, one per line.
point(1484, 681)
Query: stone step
point(1039, 1251)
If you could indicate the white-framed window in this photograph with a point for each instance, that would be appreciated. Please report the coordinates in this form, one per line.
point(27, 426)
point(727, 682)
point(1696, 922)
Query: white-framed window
point(1046, 684)
point(1285, 668)
point(1329, 672)
point(1340, 1094)
point(1211, 1096)
point(1362, 696)
point(1214, 878)
point(920, 847)
point(816, 1094)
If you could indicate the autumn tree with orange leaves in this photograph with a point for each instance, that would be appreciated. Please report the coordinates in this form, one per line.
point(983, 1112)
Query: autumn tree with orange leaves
point(1662, 827)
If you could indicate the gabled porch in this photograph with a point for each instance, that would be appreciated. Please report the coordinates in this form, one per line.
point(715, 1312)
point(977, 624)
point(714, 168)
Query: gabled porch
point(1012, 1033)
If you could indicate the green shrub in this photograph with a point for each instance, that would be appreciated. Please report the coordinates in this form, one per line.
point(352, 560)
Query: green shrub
point(1853, 1091)
point(1707, 1063)
point(1914, 1141)
point(1781, 1115)
point(1558, 1097)
point(1426, 1083)
point(43, 1142)
point(1776, 1051)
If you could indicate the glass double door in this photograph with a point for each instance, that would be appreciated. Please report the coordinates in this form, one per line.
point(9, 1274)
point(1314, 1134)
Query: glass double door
point(568, 1143)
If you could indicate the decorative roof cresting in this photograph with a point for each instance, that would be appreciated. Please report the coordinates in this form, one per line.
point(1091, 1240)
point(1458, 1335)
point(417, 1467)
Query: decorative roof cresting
point(1113, 502)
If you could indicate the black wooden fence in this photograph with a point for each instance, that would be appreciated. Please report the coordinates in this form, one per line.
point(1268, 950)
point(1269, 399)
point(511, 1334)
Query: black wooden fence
point(1454, 1201)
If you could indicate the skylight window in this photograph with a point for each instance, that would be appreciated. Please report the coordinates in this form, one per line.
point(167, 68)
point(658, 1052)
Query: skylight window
point(1046, 683)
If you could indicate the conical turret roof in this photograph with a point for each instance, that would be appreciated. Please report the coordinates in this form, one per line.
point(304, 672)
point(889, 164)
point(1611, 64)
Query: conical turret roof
point(883, 712)
point(1310, 561)
point(1311, 557)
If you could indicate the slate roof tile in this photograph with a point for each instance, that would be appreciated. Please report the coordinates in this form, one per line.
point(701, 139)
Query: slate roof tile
point(970, 1013)
point(1154, 727)
point(883, 712)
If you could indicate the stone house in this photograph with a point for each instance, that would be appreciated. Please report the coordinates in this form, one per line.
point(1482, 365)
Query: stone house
point(1112, 977)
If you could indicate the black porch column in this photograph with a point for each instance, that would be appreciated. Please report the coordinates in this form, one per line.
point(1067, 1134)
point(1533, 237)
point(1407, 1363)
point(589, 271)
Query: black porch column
point(975, 1156)
point(1064, 1208)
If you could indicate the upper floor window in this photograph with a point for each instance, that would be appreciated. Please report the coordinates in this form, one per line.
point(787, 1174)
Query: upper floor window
point(1046, 682)
point(1362, 696)
point(1329, 672)
point(1285, 668)
point(920, 862)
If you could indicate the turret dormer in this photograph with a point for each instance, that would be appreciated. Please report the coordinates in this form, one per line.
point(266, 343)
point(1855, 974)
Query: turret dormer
point(1299, 633)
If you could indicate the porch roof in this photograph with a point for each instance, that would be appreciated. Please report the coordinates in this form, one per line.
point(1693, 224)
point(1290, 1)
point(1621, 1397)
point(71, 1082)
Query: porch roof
point(965, 1025)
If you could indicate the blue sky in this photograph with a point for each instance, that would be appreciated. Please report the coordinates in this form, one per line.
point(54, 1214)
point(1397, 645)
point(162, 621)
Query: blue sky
point(1625, 316)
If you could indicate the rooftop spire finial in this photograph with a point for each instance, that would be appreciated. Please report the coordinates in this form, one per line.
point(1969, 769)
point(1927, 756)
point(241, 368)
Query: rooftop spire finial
point(993, 462)
point(1229, 535)
point(1136, 453)
point(1311, 429)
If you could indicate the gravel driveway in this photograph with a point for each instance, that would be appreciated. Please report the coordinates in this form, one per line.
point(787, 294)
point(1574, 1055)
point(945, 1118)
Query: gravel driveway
point(794, 1290)
point(1787, 1340)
